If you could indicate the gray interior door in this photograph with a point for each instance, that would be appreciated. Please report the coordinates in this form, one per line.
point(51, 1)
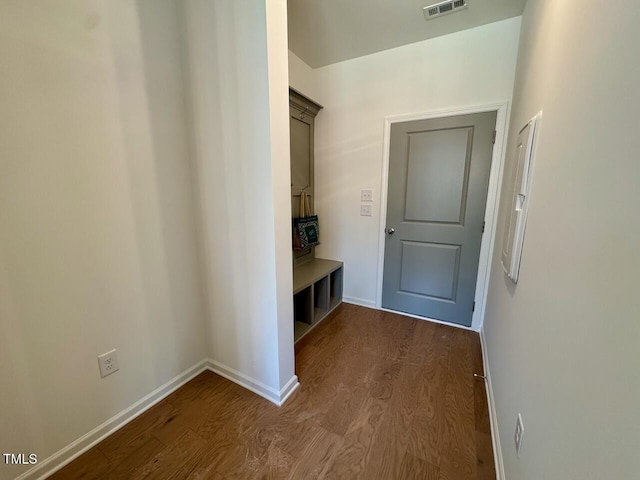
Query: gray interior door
point(438, 181)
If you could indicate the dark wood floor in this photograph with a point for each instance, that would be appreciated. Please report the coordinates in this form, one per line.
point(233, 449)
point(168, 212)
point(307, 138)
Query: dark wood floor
point(382, 396)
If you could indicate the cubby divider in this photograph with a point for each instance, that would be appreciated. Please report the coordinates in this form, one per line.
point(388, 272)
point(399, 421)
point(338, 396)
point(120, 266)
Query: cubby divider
point(317, 290)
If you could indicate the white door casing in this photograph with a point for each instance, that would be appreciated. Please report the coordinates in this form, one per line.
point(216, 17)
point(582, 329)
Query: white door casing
point(493, 196)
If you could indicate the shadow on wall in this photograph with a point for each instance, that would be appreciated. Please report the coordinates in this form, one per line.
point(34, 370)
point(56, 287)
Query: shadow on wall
point(170, 165)
point(98, 245)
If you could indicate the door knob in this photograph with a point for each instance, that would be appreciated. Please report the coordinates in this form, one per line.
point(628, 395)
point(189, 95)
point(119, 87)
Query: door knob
point(391, 231)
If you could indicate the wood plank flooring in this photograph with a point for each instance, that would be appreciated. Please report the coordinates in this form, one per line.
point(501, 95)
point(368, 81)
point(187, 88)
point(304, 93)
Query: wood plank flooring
point(382, 396)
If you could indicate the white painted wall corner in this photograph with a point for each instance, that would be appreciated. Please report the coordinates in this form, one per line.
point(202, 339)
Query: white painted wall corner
point(72, 451)
point(259, 388)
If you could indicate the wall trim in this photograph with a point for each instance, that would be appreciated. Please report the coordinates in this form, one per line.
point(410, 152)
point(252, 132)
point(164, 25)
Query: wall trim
point(427, 319)
point(67, 454)
point(286, 391)
point(493, 414)
point(275, 396)
point(372, 305)
point(76, 448)
point(359, 301)
point(493, 196)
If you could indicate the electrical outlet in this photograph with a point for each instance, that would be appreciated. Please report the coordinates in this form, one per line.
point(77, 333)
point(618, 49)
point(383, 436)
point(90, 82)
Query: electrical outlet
point(365, 210)
point(108, 363)
point(366, 195)
point(518, 435)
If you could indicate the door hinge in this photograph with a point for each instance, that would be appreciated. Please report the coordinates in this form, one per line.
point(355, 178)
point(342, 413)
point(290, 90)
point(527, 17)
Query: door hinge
point(473, 309)
point(493, 140)
point(483, 225)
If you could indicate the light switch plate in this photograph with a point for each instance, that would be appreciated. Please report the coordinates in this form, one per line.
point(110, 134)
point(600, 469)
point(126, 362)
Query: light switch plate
point(366, 195)
point(365, 210)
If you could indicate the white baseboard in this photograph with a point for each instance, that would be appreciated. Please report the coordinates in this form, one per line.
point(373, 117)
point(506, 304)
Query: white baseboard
point(427, 319)
point(286, 391)
point(359, 301)
point(72, 451)
point(259, 388)
point(493, 416)
point(370, 304)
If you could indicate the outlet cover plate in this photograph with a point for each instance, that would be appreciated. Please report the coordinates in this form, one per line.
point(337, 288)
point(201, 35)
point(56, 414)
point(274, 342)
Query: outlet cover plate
point(366, 195)
point(365, 210)
point(517, 437)
point(108, 363)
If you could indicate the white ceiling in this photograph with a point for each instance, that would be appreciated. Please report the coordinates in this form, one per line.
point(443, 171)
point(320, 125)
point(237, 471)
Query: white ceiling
point(322, 32)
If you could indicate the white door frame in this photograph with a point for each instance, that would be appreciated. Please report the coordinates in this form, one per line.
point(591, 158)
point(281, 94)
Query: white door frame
point(493, 197)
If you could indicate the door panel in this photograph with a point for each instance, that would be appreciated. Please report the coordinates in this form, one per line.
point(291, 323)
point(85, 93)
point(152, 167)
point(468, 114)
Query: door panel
point(438, 181)
point(300, 144)
point(437, 175)
point(443, 261)
point(301, 148)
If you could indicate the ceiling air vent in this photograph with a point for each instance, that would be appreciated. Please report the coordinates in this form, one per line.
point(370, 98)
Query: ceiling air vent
point(442, 8)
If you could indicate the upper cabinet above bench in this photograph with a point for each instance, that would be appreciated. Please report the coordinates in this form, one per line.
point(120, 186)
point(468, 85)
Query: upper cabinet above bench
point(302, 114)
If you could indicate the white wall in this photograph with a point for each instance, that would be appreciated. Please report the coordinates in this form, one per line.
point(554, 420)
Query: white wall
point(563, 343)
point(301, 76)
point(239, 100)
point(277, 53)
point(98, 227)
point(468, 68)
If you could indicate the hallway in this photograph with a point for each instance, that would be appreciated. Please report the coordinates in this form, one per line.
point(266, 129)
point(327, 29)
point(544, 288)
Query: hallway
point(382, 396)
